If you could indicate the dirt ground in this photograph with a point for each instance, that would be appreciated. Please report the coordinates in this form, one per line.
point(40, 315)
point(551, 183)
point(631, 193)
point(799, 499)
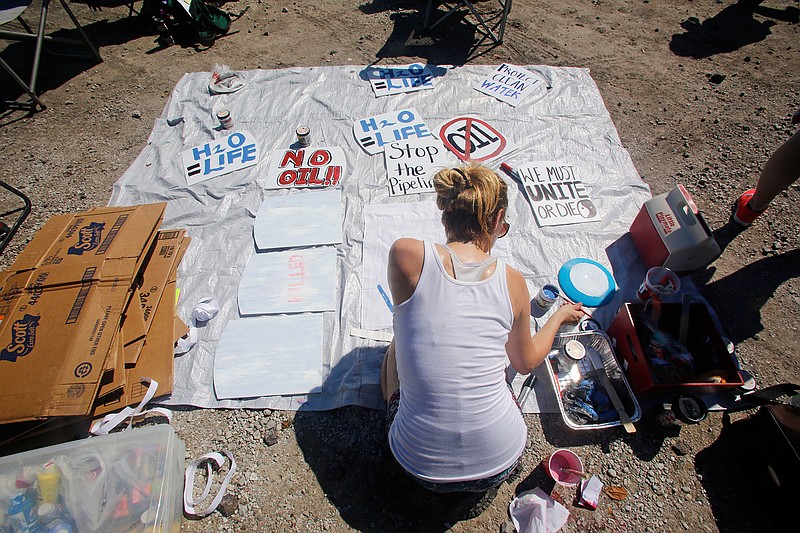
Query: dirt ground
point(701, 93)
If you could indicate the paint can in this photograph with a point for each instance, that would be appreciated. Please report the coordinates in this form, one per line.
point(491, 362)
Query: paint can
point(303, 135)
point(685, 410)
point(546, 297)
point(589, 324)
point(225, 120)
point(571, 353)
point(658, 283)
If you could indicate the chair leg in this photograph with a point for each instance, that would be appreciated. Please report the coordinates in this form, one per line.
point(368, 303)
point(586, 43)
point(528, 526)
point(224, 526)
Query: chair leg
point(34, 99)
point(37, 54)
point(80, 29)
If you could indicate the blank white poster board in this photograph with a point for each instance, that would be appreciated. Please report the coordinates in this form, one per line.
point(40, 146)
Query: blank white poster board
point(304, 218)
point(293, 281)
point(384, 224)
point(269, 356)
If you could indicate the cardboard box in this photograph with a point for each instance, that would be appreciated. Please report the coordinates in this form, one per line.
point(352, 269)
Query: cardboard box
point(709, 351)
point(62, 302)
point(161, 266)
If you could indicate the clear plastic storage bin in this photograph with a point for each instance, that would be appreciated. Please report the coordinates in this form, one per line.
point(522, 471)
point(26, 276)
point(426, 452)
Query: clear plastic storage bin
point(131, 481)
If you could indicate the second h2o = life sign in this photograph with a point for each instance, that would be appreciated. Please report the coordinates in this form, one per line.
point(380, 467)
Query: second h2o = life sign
point(472, 139)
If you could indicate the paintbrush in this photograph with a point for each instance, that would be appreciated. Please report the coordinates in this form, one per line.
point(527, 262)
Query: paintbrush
point(576, 472)
point(583, 308)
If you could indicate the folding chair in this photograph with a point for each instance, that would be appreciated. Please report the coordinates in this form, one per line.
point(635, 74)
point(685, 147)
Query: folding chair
point(12, 10)
point(22, 212)
point(483, 23)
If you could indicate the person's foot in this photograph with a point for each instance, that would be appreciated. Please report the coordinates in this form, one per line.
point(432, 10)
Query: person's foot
point(743, 214)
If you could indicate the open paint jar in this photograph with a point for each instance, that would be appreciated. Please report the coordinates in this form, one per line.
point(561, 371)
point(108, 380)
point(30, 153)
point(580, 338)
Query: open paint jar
point(570, 354)
point(558, 465)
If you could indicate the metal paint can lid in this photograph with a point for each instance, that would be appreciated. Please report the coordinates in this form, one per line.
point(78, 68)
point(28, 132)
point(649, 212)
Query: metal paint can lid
point(589, 324)
point(689, 409)
point(573, 351)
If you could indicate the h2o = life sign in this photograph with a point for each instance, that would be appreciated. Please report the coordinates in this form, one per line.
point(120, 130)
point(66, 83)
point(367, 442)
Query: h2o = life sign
point(472, 139)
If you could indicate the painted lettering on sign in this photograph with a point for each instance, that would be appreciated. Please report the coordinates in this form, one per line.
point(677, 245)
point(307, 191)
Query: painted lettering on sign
point(233, 152)
point(510, 84)
point(373, 133)
point(399, 79)
point(297, 273)
point(318, 167)
point(411, 165)
point(473, 139)
point(556, 193)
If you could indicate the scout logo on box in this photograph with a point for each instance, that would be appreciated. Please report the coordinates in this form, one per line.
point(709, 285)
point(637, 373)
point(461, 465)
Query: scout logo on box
point(23, 338)
point(374, 132)
point(233, 152)
point(89, 238)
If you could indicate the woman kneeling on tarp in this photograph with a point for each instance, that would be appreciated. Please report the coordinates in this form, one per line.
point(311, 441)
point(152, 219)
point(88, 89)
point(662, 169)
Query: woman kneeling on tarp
point(453, 421)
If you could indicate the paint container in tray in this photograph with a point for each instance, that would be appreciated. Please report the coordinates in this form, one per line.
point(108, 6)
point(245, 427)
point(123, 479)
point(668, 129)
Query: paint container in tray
point(582, 398)
point(571, 353)
point(303, 135)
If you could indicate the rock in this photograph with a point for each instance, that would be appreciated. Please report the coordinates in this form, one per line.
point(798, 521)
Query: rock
point(717, 78)
point(270, 437)
point(136, 114)
point(680, 447)
point(507, 527)
point(229, 505)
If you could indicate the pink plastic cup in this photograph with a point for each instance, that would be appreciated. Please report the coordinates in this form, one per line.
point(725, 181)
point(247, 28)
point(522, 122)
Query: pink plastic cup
point(556, 464)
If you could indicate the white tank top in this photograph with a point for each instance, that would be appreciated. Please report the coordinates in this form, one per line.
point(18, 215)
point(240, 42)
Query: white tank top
point(457, 420)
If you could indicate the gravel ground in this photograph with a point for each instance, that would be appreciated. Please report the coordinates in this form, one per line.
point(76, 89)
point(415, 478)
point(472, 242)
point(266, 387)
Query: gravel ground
point(701, 93)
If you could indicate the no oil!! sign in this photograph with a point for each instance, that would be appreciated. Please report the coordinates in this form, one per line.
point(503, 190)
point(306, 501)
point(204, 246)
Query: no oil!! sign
point(473, 139)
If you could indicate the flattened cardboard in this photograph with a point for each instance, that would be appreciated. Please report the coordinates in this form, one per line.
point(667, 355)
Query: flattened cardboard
point(155, 361)
point(114, 239)
point(161, 266)
point(63, 301)
point(54, 343)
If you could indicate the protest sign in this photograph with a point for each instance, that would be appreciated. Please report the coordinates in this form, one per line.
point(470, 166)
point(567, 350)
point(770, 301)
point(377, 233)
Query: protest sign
point(412, 164)
point(556, 193)
point(308, 167)
point(232, 152)
point(510, 84)
point(293, 281)
point(269, 355)
point(284, 221)
point(399, 79)
point(473, 139)
point(373, 133)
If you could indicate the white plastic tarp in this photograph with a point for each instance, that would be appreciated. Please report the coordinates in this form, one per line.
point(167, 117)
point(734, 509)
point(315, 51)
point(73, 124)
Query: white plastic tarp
point(568, 123)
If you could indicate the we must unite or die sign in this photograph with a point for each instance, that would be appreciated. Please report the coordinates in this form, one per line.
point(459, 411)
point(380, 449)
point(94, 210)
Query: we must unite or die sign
point(556, 193)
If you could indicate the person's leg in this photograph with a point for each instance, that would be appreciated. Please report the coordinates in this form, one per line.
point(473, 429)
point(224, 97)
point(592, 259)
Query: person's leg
point(390, 381)
point(782, 169)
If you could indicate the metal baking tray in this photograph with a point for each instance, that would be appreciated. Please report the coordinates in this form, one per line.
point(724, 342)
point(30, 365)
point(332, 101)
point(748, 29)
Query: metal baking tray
point(579, 386)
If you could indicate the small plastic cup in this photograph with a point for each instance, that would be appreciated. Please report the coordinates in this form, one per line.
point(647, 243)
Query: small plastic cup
point(556, 464)
point(658, 283)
